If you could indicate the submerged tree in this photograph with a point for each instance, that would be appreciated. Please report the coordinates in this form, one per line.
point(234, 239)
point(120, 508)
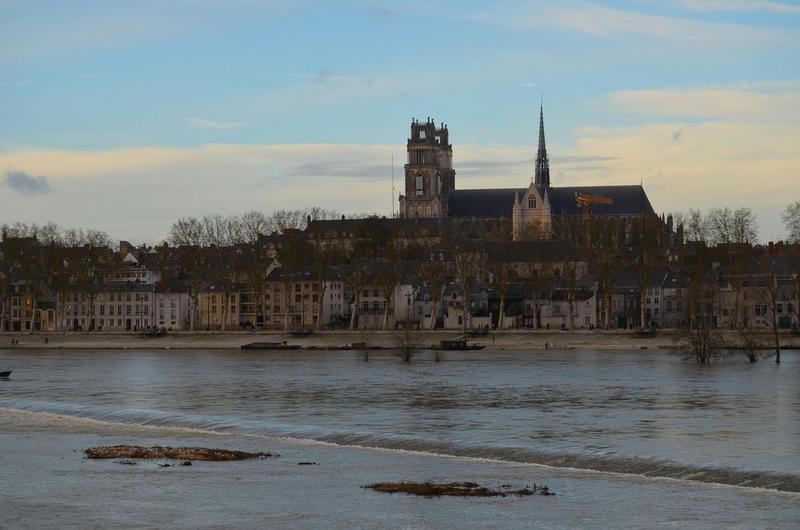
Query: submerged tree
point(702, 338)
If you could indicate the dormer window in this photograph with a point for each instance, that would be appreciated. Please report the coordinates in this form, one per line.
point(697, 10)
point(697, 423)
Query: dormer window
point(532, 201)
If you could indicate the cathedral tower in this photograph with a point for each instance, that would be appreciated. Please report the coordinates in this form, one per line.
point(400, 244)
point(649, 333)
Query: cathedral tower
point(429, 171)
point(542, 166)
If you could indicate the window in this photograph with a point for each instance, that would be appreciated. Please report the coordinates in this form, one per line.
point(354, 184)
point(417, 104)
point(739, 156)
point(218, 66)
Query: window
point(532, 201)
point(780, 308)
point(422, 134)
point(420, 185)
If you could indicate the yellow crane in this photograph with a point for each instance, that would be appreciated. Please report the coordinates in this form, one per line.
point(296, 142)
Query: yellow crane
point(585, 202)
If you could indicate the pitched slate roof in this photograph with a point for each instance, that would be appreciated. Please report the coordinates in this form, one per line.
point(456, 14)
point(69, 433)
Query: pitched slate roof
point(627, 200)
point(499, 202)
point(490, 203)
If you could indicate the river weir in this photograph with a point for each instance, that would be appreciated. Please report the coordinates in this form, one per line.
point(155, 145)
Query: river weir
point(594, 425)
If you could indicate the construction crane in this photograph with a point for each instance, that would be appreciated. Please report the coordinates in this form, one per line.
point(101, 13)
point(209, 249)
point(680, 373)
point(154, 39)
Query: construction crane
point(585, 202)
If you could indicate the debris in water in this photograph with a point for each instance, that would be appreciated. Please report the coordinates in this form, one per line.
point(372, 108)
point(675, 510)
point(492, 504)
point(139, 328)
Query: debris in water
point(126, 462)
point(177, 453)
point(456, 489)
point(186, 463)
point(307, 464)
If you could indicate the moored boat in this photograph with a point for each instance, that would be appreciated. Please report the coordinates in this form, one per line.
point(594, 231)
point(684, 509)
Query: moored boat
point(270, 346)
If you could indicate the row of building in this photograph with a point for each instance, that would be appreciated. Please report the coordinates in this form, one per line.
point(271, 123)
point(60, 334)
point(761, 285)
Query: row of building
point(519, 285)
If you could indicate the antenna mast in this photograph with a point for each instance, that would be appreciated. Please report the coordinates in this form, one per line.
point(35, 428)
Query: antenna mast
point(392, 182)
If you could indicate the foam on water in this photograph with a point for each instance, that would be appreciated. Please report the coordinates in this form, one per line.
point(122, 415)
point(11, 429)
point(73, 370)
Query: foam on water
point(71, 415)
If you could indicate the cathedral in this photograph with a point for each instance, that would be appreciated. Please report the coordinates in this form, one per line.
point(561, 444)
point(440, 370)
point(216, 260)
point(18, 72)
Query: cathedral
point(604, 215)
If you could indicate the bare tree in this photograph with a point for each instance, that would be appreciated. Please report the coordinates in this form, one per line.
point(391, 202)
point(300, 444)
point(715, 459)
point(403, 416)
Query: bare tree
point(433, 274)
point(696, 226)
point(744, 226)
point(468, 260)
point(187, 232)
point(720, 223)
point(501, 276)
point(791, 219)
point(769, 296)
point(702, 338)
point(253, 225)
point(357, 279)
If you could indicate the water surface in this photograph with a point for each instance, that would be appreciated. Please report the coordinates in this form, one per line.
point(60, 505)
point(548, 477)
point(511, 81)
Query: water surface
point(641, 413)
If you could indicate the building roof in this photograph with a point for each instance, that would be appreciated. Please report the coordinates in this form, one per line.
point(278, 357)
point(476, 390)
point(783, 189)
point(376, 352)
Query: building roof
point(531, 251)
point(627, 200)
point(368, 227)
point(491, 203)
point(499, 202)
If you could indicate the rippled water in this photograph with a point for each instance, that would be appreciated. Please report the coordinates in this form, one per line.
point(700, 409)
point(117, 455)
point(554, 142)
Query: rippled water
point(641, 413)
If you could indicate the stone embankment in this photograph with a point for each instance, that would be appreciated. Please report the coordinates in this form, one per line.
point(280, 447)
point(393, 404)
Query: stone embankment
point(332, 340)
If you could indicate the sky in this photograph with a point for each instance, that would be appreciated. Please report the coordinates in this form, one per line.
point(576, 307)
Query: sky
point(125, 116)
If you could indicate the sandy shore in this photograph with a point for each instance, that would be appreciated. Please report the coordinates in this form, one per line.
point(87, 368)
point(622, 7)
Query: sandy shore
point(513, 339)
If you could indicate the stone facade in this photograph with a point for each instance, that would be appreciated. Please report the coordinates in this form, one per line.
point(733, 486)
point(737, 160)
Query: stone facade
point(429, 174)
point(531, 217)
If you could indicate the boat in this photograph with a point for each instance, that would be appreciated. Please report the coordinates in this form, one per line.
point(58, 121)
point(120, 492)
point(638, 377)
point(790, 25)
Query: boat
point(6, 373)
point(458, 345)
point(270, 346)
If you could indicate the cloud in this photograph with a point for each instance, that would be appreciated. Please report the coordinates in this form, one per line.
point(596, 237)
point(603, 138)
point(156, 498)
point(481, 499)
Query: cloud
point(614, 24)
point(701, 165)
point(683, 165)
point(740, 5)
point(718, 103)
point(198, 123)
point(25, 184)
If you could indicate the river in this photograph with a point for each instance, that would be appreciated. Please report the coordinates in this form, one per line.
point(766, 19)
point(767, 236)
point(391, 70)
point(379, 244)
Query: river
point(646, 415)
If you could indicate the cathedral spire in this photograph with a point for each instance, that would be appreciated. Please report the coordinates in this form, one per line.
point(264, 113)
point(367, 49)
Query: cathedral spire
point(542, 166)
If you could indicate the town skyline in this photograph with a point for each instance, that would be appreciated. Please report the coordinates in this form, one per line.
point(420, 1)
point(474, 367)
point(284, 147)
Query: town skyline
point(125, 122)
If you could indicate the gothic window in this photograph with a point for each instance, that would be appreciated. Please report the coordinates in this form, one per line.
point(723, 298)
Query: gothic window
point(532, 201)
point(420, 185)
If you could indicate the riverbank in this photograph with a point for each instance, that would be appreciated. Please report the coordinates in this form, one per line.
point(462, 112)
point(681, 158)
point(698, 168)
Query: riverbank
point(502, 340)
